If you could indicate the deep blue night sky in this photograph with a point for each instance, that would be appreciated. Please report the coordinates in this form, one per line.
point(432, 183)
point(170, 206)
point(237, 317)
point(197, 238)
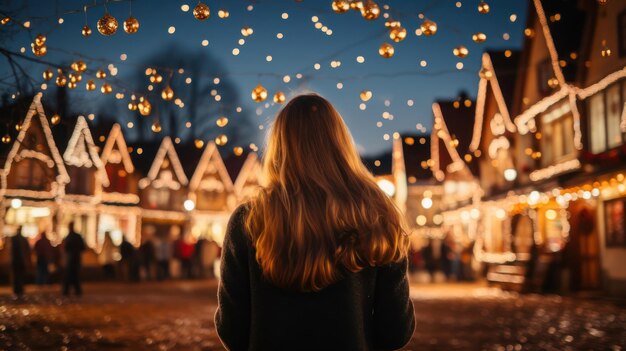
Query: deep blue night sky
point(392, 81)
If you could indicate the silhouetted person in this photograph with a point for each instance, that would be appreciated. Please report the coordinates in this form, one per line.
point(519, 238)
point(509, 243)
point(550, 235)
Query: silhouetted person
point(20, 261)
point(147, 256)
point(163, 255)
point(129, 261)
point(45, 256)
point(106, 256)
point(74, 246)
point(429, 259)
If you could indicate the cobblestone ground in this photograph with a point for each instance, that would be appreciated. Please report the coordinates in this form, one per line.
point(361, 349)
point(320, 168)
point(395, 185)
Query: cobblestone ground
point(178, 316)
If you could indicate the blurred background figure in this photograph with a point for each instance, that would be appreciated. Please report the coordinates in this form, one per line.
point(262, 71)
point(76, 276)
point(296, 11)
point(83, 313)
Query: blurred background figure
point(163, 254)
point(45, 256)
point(147, 256)
point(20, 261)
point(106, 257)
point(73, 245)
point(128, 263)
point(185, 253)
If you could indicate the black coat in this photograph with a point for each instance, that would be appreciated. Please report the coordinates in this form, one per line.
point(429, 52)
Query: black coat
point(367, 310)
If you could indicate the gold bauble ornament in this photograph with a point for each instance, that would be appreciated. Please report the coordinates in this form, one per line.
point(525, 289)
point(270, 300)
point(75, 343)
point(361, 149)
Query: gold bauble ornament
point(259, 93)
point(156, 78)
point(75, 77)
point(39, 50)
point(238, 150)
point(483, 7)
point(386, 50)
point(106, 88)
point(280, 97)
point(90, 85)
point(221, 122)
point(341, 6)
point(479, 37)
point(18, 127)
point(55, 119)
point(40, 40)
point(365, 95)
point(390, 23)
point(156, 127)
point(5, 20)
point(485, 73)
point(428, 27)
point(86, 31)
point(101, 74)
point(397, 34)
point(201, 12)
point(47, 74)
point(71, 85)
point(199, 143)
point(460, 51)
point(107, 25)
point(61, 80)
point(131, 25)
point(370, 10)
point(6, 139)
point(132, 106)
point(167, 94)
point(79, 66)
point(144, 107)
point(553, 83)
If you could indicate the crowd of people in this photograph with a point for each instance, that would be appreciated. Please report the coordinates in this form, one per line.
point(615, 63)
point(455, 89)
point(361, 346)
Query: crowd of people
point(156, 258)
point(446, 256)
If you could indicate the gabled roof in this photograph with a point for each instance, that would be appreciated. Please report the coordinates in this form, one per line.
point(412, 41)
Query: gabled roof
point(453, 121)
point(166, 150)
point(210, 156)
point(82, 152)
point(116, 141)
point(495, 64)
point(250, 168)
point(36, 115)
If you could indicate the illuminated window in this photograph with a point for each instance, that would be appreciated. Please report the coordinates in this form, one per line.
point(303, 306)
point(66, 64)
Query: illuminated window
point(605, 118)
point(597, 127)
point(621, 33)
point(557, 130)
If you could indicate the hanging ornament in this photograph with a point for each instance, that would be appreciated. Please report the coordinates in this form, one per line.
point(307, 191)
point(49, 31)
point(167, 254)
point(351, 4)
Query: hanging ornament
point(144, 107)
point(397, 34)
point(132, 106)
point(86, 31)
point(40, 40)
point(479, 37)
point(601, 2)
point(73, 77)
point(167, 94)
point(39, 50)
point(131, 25)
point(221, 122)
point(90, 85)
point(106, 88)
point(6, 139)
point(386, 50)
point(79, 66)
point(485, 73)
point(71, 85)
point(55, 119)
point(156, 78)
point(246, 31)
point(460, 51)
point(279, 97)
point(259, 93)
point(341, 6)
point(47, 74)
point(238, 150)
point(370, 10)
point(156, 127)
point(553, 83)
point(107, 25)
point(201, 12)
point(199, 143)
point(483, 7)
point(223, 13)
point(18, 126)
point(5, 20)
point(428, 27)
point(365, 95)
point(61, 80)
point(101, 74)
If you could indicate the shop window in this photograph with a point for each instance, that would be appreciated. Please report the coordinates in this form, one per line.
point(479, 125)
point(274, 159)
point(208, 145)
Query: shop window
point(621, 33)
point(30, 174)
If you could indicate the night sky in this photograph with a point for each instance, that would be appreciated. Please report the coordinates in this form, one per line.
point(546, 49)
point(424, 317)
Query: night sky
point(392, 81)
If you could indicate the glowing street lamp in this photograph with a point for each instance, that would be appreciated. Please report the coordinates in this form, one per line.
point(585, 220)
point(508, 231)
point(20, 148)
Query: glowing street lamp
point(189, 205)
point(510, 174)
point(16, 203)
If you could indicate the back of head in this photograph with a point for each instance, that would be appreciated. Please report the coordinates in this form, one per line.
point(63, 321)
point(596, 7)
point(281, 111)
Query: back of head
point(321, 211)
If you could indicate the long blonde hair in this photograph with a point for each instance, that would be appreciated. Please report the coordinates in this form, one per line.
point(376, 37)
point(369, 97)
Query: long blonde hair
point(320, 211)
